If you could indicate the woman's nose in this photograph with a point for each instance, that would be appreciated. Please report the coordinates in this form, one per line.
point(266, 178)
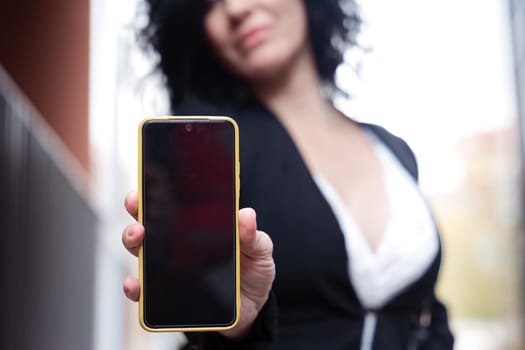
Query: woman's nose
point(237, 8)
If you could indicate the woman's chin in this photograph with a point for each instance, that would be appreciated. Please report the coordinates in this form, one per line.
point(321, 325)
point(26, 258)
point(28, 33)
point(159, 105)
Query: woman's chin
point(266, 62)
point(262, 70)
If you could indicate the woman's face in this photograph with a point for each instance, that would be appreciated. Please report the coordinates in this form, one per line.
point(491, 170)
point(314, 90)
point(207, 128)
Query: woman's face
point(257, 39)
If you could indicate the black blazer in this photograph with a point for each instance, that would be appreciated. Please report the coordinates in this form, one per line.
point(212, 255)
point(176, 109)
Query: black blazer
point(313, 304)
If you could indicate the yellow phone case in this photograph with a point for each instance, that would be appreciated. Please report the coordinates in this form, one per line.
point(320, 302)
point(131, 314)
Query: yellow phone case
point(237, 249)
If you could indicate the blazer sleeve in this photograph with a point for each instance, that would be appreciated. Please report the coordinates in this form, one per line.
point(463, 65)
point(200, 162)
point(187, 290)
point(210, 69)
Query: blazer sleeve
point(264, 330)
point(261, 337)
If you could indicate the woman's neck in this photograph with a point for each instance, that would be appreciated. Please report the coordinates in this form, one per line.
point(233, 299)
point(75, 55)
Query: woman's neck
point(295, 93)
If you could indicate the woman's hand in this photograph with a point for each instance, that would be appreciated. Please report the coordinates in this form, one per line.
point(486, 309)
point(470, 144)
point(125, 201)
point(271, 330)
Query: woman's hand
point(256, 265)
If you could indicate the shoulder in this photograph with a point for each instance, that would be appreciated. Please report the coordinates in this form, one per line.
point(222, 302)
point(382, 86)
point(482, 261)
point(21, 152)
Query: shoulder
point(398, 146)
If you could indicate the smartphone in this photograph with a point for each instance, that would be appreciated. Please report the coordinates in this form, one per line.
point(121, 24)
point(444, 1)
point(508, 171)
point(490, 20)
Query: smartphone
point(188, 204)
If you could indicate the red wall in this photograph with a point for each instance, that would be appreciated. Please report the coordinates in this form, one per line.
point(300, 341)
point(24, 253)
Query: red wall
point(44, 46)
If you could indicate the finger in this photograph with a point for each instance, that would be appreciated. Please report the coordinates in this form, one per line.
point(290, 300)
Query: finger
point(131, 288)
point(254, 243)
point(132, 238)
point(131, 202)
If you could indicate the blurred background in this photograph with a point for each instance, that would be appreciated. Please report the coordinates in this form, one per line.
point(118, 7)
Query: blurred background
point(448, 76)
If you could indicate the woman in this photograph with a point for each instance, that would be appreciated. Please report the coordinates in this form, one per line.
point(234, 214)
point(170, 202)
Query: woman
point(356, 250)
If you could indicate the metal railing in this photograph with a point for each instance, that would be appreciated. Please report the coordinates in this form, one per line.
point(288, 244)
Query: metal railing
point(47, 231)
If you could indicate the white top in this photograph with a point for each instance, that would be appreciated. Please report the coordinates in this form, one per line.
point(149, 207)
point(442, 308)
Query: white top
point(409, 244)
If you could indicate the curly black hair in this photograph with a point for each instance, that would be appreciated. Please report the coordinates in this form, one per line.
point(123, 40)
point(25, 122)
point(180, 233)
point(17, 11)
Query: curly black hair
point(175, 30)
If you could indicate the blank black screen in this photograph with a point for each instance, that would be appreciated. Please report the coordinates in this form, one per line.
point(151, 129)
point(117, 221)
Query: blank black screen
point(189, 220)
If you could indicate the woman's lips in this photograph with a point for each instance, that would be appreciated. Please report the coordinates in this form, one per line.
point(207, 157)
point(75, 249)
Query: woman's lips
point(252, 38)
